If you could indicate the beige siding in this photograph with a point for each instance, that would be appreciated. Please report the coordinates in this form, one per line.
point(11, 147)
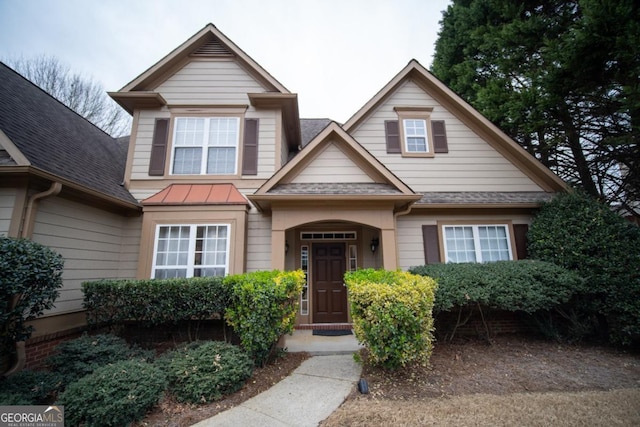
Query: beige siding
point(258, 241)
point(130, 247)
point(7, 201)
point(91, 242)
point(409, 232)
point(266, 141)
point(200, 82)
point(144, 137)
point(332, 165)
point(471, 164)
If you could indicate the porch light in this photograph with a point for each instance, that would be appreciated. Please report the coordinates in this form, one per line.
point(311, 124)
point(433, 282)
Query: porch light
point(374, 245)
point(286, 247)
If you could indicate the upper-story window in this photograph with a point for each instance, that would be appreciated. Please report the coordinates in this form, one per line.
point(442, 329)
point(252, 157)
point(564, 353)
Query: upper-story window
point(415, 135)
point(205, 145)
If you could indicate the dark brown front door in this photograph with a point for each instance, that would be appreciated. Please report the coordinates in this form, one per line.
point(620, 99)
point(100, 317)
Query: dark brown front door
point(329, 293)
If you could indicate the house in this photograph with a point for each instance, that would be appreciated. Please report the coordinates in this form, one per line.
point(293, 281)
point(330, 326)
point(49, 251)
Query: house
point(221, 176)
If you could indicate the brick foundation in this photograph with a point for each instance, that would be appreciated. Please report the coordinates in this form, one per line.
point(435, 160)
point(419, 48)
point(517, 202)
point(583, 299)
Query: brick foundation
point(38, 349)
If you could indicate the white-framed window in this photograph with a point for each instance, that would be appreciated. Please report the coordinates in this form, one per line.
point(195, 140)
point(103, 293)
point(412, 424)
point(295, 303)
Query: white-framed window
point(415, 135)
point(191, 251)
point(304, 266)
point(205, 145)
point(477, 243)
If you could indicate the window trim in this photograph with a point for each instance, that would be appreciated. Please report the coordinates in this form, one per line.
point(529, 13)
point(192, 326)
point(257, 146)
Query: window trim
point(415, 113)
point(193, 227)
point(475, 224)
point(239, 116)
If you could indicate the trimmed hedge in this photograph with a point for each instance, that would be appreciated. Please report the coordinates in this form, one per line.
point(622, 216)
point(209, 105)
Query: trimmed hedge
point(30, 388)
point(522, 285)
point(114, 395)
point(81, 356)
point(31, 275)
point(584, 235)
point(112, 302)
point(206, 371)
point(262, 308)
point(392, 315)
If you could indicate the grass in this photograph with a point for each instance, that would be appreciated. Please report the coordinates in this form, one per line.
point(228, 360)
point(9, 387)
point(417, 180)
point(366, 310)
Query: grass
point(591, 408)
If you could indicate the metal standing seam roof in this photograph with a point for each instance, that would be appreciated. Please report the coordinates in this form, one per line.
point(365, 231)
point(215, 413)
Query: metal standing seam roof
point(197, 194)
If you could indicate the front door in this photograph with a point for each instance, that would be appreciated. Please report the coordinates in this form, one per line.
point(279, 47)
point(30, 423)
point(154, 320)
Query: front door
point(329, 292)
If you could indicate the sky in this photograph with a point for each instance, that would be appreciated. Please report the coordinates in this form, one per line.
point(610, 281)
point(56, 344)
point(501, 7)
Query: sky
point(335, 54)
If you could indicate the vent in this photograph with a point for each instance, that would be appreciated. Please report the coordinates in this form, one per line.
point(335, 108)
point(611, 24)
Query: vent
point(212, 48)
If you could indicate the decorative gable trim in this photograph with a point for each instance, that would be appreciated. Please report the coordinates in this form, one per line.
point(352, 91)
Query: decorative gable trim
point(212, 48)
point(200, 43)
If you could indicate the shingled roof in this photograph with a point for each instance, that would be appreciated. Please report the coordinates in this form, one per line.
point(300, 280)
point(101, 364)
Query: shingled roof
point(57, 140)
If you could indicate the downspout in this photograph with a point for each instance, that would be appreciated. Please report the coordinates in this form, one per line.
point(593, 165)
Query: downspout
point(27, 230)
point(29, 216)
point(407, 209)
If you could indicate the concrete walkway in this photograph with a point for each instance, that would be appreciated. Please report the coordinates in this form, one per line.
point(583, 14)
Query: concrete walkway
point(306, 397)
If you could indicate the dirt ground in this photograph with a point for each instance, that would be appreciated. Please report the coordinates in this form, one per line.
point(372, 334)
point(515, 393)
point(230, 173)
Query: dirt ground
point(517, 368)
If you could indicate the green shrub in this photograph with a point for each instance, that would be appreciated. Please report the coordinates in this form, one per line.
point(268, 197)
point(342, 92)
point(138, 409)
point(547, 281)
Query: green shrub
point(392, 315)
point(205, 372)
point(30, 388)
point(263, 307)
point(110, 302)
point(76, 358)
point(581, 234)
point(30, 276)
point(522, 285)
point(114, 395)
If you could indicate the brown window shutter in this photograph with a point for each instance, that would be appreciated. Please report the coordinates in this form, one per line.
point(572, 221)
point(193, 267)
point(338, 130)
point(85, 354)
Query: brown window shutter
point(520, 234)
point(439, 136)
point(392, 134)
point(159, 147)
point(250, 147)
point(431, 244)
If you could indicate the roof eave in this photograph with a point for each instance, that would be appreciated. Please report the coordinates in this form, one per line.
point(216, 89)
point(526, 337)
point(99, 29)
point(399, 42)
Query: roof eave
point(288, 103)
point(34, 171)
point(131, 101)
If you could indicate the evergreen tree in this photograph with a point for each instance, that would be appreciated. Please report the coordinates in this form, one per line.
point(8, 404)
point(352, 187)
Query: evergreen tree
point(562, 78)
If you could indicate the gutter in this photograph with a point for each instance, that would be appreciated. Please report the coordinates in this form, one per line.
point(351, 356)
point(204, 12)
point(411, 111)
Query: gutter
point(27, 231)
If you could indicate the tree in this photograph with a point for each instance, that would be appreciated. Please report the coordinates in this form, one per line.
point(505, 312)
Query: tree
point(559, 77)
point(83, 95)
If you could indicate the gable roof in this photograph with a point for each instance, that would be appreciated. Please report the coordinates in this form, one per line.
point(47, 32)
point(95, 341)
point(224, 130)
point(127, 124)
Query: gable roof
point(495, 137)
point(387, 187)
point(50, 139)
point(209, 42)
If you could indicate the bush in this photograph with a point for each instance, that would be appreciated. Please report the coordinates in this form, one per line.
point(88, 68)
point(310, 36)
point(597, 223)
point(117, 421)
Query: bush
point(81, 356)
point(110, 302)
point(114, 395)
point(581, 234)
point(263, 308)
point(205, 372)
point(523, 285)
point(30, 388)
point(392, 315)
point(30, 276)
